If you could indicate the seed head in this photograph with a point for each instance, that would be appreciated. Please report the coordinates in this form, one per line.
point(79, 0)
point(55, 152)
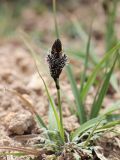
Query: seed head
point(56, 59)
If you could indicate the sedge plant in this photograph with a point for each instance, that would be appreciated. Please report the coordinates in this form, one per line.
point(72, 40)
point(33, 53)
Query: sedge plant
point(57, 142)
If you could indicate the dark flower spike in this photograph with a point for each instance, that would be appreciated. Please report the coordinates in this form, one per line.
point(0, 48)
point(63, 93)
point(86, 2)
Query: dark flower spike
point(57, 48)
point(56, 60)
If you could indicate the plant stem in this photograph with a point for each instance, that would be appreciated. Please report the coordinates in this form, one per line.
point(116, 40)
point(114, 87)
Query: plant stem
point(55, 20)
point(60, 108)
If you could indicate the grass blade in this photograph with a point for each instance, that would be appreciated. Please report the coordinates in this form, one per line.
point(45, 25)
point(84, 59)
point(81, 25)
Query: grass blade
point(98, 103)
point(110, 125)
point(86, 60)
point(21, 149)
point(55, 20)
point(91, 134)
point(113, 117)
point(79, 105)
point(40, 121)
point(16, 154)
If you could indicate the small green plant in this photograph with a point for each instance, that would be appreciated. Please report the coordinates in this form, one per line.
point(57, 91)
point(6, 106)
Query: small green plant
point(56, 139)
point(81, 93)
point(79, 144)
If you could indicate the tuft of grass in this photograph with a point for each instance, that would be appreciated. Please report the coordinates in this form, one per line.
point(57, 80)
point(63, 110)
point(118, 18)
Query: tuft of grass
point(101, 94)
point(80, 97)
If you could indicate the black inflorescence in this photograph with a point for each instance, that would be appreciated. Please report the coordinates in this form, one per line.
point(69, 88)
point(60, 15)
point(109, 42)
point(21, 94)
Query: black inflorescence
point(56, 60)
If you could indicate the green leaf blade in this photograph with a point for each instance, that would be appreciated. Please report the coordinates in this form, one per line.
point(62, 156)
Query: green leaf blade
point(79, 105)
point(86, 61)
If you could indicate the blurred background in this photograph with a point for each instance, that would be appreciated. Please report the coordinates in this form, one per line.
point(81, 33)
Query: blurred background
point(74, 19)
point(35, 18)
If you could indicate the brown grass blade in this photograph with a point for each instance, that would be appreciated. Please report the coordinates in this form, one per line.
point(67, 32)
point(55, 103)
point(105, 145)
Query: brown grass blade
point(27, 151)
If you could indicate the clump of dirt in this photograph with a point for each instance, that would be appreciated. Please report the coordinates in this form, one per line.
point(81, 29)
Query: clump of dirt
point(19, 123)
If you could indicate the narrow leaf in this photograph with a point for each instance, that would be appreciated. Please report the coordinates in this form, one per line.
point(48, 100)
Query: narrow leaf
point(21, 149)
point(55, 19)
point(16, 154)
point(79, 105)
point(91, 134)
point(86, 61)
point(110, 124)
